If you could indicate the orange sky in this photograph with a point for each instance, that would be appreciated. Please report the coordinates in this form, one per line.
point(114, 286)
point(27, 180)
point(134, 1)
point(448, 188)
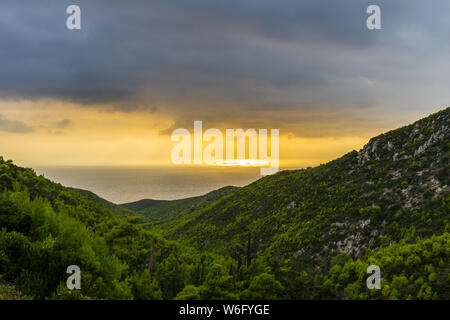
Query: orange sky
point(61, 133)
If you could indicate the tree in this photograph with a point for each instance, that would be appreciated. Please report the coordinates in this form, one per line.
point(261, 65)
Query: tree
point(144, 287)
point(190, 292)
point(263, 286)
point(218, 284)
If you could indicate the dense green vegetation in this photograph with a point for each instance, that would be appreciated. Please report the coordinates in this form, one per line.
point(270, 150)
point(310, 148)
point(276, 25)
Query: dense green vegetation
point(9, 292)
point(45, 227)
point(393, 191)
point(304, 234)
point(114, 208)
point(157, 212)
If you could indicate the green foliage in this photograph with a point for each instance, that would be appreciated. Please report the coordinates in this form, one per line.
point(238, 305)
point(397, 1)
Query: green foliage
point(189, 292)
point(410, 271)
point(144, 287)
point(45, 227)
point(263, 286)
point(9, 292)
point(156, 212)
point(218, 284)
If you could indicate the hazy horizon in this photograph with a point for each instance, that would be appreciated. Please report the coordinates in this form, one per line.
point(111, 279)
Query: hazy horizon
point(121, 184)
point(326, 81)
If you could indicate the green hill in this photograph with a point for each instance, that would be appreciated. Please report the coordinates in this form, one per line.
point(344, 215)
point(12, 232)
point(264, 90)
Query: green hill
point(393, 191)
point(160, 210)
point(46, 227)
point(114, 208)
point(398, 180)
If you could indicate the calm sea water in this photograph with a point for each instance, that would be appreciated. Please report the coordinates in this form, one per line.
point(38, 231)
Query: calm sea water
point(126, 184)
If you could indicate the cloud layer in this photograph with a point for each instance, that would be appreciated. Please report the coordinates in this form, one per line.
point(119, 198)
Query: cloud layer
point(271, 63)
point(14, 126)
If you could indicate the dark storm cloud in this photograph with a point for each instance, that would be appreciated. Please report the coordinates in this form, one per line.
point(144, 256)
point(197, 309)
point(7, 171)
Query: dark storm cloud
point(254, 54)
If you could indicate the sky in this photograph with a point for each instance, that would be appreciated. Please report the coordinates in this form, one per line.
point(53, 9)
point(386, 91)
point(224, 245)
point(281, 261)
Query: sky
point(112, 92)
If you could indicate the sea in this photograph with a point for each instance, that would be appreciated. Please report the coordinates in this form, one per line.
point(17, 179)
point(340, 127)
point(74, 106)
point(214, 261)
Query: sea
point(128, 184)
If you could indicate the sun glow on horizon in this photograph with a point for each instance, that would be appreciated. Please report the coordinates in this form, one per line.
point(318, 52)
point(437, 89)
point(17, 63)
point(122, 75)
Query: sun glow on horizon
point(245, 163)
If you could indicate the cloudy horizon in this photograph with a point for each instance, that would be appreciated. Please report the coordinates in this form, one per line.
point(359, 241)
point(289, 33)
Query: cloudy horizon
point(112, 92)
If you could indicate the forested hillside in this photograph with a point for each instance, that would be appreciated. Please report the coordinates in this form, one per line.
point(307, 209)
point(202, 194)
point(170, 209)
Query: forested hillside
point(398, 180)
point(393, 191)
point(157, 212)
point(45, 227)
point(304, 234)
point(114, 208)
